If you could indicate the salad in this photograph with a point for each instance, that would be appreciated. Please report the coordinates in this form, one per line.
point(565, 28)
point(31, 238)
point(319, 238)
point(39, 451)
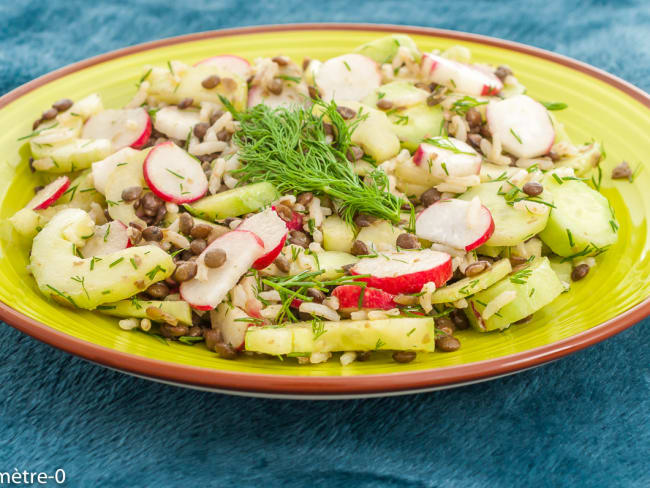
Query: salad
point(376, 201)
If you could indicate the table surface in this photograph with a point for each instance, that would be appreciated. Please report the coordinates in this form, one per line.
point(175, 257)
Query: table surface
point(582, 421)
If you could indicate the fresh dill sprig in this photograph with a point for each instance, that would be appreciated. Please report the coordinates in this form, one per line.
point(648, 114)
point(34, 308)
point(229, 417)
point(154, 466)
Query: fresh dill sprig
point(445, 143)
point(288, 147)
point(462, 105)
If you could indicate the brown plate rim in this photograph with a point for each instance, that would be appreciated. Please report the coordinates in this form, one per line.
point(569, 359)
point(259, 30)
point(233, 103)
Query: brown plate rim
point(326, 385)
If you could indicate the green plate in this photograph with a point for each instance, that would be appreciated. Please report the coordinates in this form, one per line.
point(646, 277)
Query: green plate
point(611, 298)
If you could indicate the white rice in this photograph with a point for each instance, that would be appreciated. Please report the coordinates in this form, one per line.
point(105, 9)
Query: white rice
point(348, 358)
point(320, 310)
point(497, 303)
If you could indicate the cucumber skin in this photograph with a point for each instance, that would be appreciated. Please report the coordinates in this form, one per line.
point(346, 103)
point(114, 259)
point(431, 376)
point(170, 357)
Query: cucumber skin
point(511, 226)
point(400, 333)
point(543, 280)
point(562, 218)
point(235, 202)
point(452, 293)
point(384, 49)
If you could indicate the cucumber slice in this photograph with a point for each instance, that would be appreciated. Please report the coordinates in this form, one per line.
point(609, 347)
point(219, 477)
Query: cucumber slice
point(337, 234)
point(535, 286)
point(400, 93)
point(332, 262)
point(511, 225)
point(562, 270)
point(384, 49)
point(582, 163)
point(400, 334)
point(468, 286)
point(138, 309)
point(582, 222)
point(414, 124)
point(379, 232)
point(235, 202)
point(71, 156)
point(490, 251)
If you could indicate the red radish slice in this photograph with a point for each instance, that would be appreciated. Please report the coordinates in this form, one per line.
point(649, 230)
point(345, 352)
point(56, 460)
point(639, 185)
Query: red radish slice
point(174, 175)
point(176, 123)
point(290, 96)
point(465, 78)
point(108, 238)
point(273, 232)
point(373, 299)
point(459, 160)
point(404, 271)
point(456, 223)
point(124, 127)
point(350, 77)
point(228, 320)
point(296, 222)
point(522, 125)
point(48, 195)
point(103, 169)
point(242, 249)
point(229, 62)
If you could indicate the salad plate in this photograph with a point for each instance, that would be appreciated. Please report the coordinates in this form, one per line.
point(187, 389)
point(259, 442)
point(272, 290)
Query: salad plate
point(593, 109)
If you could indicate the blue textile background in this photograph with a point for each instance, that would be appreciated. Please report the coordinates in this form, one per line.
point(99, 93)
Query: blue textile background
point(582, 421)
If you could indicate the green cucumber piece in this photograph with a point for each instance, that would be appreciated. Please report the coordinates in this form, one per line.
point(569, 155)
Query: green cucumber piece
point(138, 309)
point(384, 49)
point(582, 163)
point(87, 283)
point(468, 286)
point(71, 156)
point(338, 235)
point(490, 251)
point(235, 202)
point(563, 271)
point(414, 124)
point(582, 222)
point(511, 225)
point(400, 93)
point(379, 232)
point(332, 262)
point(399, 334)
point(536, 286)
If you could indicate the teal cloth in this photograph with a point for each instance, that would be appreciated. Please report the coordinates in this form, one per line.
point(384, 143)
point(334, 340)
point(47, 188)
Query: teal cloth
point(579, 422)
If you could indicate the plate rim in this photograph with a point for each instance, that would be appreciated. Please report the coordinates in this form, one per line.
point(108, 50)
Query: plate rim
point(326, 386)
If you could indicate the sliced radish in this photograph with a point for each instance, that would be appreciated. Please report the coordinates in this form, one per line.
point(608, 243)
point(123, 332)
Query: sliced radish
point(242, 249)
point(460, 159)
point(229, 62)
point(522, 125)
point(108, 238)
point(176, 123)
point(174, 175)
point(48, 195)
point(465, 78)
point(373, 298)
point(296, 222)
point(229, 321)
point(350, 77)
point(404, 271)
point(273, 232)
point(456, 223)
point(291, 96)
point(124, 127)
point(103, 169)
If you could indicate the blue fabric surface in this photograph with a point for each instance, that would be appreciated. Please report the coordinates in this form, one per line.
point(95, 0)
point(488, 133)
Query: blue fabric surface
point(582, 421)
